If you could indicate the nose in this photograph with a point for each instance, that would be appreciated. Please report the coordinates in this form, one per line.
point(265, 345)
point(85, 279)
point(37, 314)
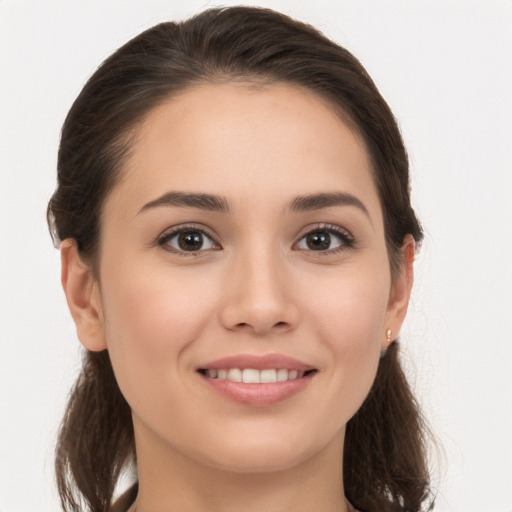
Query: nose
point(258, 295)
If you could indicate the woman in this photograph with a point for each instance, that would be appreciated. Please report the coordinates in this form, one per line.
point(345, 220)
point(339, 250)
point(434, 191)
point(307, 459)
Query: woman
point(237, 249)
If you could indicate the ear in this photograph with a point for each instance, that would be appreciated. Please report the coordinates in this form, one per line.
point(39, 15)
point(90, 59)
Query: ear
point(400, 292)
point(83, 297)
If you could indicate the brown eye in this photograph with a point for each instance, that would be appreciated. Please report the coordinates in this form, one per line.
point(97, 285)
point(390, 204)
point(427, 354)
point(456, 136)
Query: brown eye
point(328, 239)
point(318, 241)
point(188, 240)
point(191, 241)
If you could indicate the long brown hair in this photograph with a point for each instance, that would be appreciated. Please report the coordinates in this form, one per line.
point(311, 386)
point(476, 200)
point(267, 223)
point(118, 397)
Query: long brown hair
point(385, 464)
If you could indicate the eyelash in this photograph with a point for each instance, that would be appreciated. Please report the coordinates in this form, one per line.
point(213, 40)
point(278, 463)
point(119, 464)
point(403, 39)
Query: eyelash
point(163, 241)
point(346, 240)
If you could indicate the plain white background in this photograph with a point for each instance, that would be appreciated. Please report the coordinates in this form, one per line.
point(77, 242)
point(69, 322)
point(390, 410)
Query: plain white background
point(443, 66)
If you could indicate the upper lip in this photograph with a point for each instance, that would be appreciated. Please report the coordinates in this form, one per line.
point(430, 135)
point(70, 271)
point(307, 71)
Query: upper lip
point(263, 362)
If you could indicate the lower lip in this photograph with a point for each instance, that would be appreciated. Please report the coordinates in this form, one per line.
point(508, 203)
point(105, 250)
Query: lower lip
point(258, 395)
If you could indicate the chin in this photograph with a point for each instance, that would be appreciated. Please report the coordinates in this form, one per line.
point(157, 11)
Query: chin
point(263, 461)
point(265, 454)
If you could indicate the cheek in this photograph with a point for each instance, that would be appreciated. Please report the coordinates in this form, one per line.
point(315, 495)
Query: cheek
point(150, 319)
point(152, 308)
point(350, 306)
point(349, 319)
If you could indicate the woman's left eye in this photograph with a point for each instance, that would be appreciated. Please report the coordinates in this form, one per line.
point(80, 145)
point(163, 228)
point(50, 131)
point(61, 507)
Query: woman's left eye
point(325, 239)
point(188, 240)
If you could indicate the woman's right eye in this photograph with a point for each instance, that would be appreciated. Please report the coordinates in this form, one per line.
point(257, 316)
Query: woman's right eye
point(188, 240)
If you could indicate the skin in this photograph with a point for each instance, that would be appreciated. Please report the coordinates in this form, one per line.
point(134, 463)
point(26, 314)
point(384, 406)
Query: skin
point(256, 288)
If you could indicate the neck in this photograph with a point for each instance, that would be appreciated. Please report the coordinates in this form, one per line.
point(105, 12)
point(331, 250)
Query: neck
point(171, 482)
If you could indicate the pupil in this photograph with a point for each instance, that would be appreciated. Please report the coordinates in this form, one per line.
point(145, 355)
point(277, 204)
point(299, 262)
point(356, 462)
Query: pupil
point(319, 241)
point(190, 241)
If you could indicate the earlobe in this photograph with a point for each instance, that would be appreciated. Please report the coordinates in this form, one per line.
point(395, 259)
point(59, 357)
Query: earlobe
point(82, 294)
point(400, 291)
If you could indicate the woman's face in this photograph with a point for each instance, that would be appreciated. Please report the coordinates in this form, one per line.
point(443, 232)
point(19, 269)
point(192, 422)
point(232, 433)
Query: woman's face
point(245, 241)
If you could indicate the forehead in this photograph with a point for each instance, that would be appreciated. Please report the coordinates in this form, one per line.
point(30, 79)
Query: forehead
point(246, 139)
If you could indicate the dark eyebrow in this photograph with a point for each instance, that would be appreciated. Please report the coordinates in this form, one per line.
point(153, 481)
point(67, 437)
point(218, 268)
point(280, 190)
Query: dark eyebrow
point(182, 199)
point(325, 200)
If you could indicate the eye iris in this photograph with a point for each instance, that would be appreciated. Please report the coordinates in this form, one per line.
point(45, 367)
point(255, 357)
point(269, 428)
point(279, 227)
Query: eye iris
point(318, 241)
point(190, 241)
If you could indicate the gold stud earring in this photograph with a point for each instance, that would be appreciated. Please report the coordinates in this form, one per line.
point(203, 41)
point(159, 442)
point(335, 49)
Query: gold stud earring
point(388, 337)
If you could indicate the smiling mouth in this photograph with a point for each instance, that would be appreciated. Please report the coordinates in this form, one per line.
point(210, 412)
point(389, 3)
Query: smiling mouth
point(255, 376)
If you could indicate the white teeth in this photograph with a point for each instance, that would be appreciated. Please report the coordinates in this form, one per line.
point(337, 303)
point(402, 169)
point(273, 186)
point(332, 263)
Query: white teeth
point(235, 375)
point(282, 375)
point(253, 376)
point(268, 376)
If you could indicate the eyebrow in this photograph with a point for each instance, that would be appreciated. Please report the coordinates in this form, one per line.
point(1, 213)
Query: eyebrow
point(208, 202)
point(211, 202)
point(326, 200)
